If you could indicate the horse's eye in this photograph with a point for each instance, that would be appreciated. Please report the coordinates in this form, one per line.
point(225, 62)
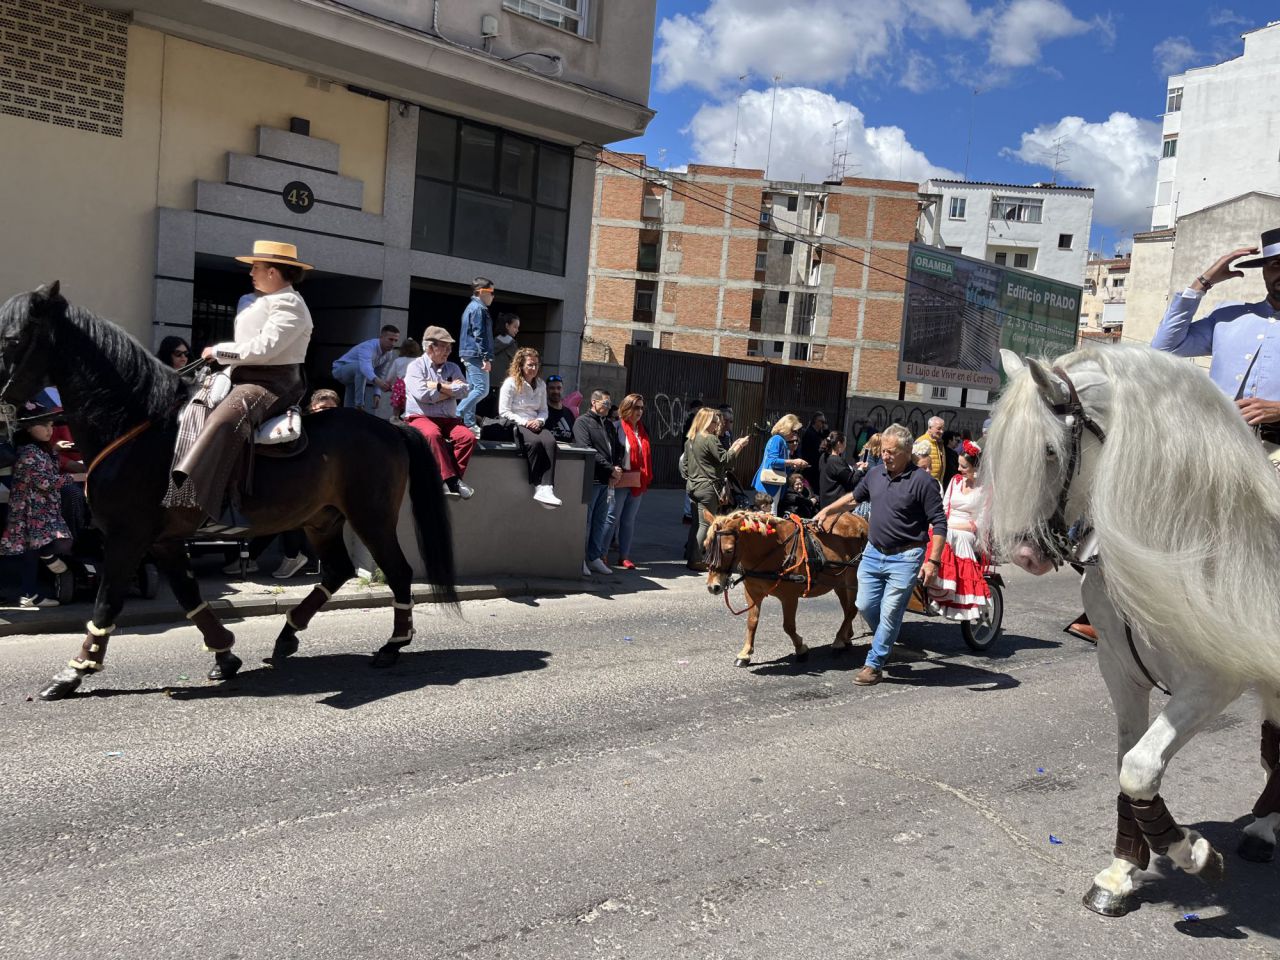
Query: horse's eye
point(1050, 454)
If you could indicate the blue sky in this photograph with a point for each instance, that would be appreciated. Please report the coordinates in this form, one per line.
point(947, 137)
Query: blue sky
point(898, 77)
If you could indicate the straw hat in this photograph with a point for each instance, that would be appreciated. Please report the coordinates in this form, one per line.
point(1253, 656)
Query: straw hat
point(269, 251)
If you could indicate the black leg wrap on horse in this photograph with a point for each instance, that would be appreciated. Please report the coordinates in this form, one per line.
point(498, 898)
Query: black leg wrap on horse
point(1130, 844)
point(93, 651)
point(1158, 827)
point(402, 625)
point(300, 616)
point(1269, 802)
point(1270, 744)
point(217, 638)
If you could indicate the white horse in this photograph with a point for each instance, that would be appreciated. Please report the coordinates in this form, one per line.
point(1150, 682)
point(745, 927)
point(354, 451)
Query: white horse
point(1133, 463)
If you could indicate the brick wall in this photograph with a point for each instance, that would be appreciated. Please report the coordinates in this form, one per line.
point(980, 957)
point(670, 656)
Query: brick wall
point(615, 299)
point(883, 321)
point(621, 197)
point(877, 372)
point(700, 254)
point(616, 247)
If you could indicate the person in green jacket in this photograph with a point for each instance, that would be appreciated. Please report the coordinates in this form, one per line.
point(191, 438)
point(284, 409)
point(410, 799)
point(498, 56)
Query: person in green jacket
point(706, 463)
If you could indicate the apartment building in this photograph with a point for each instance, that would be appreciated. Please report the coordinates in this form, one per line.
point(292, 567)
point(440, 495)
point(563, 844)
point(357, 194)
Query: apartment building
point(1218, 139)
point(1103, 303)
point(405, 146)
point(721, 261)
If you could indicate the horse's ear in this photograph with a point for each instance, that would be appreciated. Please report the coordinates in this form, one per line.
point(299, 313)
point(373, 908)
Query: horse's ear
point(711, 517)
point(1011, 362)
point(1051, 388)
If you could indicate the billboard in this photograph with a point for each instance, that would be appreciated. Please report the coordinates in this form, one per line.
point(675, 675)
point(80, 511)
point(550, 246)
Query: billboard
point(959, 312)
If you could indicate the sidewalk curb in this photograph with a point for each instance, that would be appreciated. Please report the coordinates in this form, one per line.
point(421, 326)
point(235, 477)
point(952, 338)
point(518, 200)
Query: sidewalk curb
point(242, 608)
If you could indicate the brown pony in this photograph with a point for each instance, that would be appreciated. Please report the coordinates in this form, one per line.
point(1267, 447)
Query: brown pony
point(775, 558)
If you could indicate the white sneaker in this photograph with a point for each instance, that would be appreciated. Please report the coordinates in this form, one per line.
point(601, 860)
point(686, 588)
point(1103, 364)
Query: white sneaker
point(464, 491)
point(31, 603)
point(599, 566)
point(545, 494)
point(290, 566)
point(232, 569)
point(586, 571)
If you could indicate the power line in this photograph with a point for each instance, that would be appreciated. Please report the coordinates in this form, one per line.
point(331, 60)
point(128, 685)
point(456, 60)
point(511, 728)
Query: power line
point(712, 200)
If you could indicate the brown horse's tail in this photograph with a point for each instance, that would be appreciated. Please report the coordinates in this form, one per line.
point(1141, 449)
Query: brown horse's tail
point(431, 517)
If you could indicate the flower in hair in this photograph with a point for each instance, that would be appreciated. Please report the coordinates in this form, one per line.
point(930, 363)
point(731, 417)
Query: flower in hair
point(970, 449)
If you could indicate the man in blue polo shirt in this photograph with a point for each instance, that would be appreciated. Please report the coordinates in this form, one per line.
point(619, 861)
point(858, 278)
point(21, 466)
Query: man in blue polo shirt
point(905, 505)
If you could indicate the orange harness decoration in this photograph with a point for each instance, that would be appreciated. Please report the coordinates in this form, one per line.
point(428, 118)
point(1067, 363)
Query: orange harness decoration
point(131, 434)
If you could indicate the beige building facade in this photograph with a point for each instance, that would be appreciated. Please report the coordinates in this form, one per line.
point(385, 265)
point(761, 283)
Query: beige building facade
point(1102, 307)
point(404, 147)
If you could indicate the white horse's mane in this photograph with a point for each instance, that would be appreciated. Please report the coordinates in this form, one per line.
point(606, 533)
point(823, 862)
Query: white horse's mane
point(1185, 504)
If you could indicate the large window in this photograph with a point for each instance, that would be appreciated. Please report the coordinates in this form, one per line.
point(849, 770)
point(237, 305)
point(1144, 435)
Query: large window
point(568, 15)
point(486, 194)
point(1017, 209)
point(1170, 146)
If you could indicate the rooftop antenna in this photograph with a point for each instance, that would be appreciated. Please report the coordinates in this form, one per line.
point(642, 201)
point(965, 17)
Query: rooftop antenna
point(1060, 156)
point(973, 99)
point(736, 118)
point(777, 78)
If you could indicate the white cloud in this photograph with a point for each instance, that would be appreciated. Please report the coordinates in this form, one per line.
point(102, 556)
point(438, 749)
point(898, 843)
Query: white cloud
point(820, 42)
point(1021, 28)
point(1116, 157)
point(1174, 54)
point(802, 138)
point(1224, 17)
point(920, 74)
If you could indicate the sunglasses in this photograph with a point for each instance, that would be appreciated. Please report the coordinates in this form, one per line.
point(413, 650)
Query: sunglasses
point(181, 353)
point(555, 378)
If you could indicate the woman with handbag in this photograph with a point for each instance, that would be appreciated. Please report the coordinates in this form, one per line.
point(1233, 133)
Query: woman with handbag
point(706, 465)
point(771, 477)
point(637, 474)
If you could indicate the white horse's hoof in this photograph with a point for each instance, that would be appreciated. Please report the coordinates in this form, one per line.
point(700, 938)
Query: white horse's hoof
point(1107, 904)
point(1214, 869)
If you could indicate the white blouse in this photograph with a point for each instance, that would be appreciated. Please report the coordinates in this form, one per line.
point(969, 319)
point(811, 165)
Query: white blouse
point(523, 404)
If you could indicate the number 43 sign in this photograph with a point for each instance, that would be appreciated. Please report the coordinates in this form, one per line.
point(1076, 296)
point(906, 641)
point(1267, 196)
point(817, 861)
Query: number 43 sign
point(298, 196)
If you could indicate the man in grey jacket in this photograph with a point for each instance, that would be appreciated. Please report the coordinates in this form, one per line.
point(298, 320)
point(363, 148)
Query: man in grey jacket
point(594, 430)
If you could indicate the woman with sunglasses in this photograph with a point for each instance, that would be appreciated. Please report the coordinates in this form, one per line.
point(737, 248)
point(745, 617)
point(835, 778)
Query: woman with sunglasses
point(175, 352)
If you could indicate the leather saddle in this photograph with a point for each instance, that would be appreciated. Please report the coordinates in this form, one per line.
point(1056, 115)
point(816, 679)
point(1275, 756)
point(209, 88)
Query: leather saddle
point(281, 436)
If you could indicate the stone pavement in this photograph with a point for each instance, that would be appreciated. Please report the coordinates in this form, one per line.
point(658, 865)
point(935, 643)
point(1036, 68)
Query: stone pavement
point(658, 549)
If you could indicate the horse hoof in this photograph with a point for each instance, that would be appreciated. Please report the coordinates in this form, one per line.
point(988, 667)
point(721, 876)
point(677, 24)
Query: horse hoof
point(1107, 904)
point(1214, 869)
point(225, 666)
point(802, 655)
point(841, 650)
point(286, 647)
point(64, 685)
point(742, 662)
point(388, 654)
point(1255, 849)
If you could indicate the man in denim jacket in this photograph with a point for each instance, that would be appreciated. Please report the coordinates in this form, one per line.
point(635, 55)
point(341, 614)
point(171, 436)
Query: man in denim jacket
point(475, 348)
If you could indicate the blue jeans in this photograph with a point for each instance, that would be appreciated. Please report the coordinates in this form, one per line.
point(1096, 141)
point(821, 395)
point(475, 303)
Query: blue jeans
point(348, 374)
point(478, 380)
point(623, 527)
point(597, 521)
point(884, 587)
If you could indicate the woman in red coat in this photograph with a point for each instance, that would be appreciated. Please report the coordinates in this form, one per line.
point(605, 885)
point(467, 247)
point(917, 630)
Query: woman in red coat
point(637, 474)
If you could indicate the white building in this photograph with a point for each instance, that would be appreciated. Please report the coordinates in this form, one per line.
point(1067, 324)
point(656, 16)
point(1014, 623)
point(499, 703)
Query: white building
point(1220, 131)
point(1039, 227)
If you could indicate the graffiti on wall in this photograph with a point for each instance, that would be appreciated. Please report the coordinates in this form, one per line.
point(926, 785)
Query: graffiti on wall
point(863, 423)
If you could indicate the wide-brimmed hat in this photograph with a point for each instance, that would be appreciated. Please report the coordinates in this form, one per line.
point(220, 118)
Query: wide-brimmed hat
point(436, 335)
point(1270, 250)
point(270, 251)
point(35, 411)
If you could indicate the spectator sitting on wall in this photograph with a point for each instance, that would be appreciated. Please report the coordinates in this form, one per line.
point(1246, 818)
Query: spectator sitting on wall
point(367, 364)
point(559, 417)
point(476, 350)
point(522, 405)
point(594, 430)
point(432, 387)
point(323, 399)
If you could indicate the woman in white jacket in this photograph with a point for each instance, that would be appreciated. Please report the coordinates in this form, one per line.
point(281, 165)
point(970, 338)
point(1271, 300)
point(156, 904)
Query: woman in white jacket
point(522, 404)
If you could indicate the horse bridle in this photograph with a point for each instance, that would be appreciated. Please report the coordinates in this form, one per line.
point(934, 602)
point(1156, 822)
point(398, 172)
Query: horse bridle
point(1064, 539)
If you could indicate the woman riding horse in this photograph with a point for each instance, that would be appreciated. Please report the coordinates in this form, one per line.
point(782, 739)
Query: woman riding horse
point(122, 405)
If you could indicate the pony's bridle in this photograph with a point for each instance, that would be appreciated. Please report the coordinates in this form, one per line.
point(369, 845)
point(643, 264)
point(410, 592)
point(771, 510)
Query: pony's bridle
point(1065, 538)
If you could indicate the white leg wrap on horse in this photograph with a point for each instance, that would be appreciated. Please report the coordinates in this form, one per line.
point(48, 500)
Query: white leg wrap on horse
point(402, 606)
point(192, 614)
point(99, 631)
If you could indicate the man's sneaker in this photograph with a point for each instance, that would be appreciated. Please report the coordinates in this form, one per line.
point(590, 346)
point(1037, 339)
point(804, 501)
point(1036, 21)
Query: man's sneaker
point(232, 569)
point(290, 566)
point(32, 602)
point(586, 571)
point(599, 566)
point(464, 491)
point(545, 494)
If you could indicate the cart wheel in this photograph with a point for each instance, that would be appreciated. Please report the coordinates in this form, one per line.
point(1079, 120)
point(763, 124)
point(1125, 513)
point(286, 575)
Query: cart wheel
point(148, 581)
point(65, 586)
point(982, 633)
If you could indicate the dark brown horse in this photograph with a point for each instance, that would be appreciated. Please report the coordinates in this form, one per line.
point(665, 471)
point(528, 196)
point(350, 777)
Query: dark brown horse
point(773, 557)
point(122, 404)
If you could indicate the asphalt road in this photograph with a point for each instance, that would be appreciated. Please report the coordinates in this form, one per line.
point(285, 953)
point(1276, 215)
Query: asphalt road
point(591, 777)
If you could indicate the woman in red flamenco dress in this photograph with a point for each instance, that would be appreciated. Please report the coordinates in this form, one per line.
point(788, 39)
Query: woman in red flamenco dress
point(960, 592)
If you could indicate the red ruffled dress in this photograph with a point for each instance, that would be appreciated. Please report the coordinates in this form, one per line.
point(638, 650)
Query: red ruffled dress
point(960, 592)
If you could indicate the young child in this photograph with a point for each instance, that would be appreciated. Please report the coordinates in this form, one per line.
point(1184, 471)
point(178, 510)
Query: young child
point(36, 530)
